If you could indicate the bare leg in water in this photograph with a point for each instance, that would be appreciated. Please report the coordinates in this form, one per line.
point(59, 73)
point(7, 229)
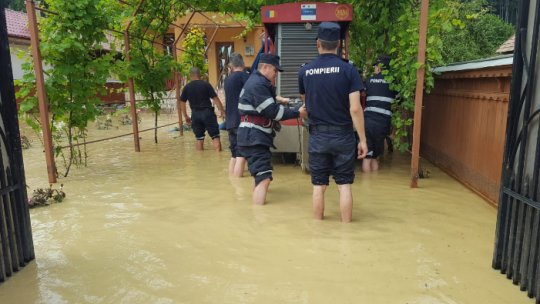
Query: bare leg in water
point(239, 167)
point(199, 145)
point(259, 192)
point(345, 202)
point(370, 165)
point(232, 163)
point(217, 144)
point(318, 201)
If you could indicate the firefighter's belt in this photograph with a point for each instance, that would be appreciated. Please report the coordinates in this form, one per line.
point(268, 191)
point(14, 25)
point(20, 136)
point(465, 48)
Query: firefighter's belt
point(257, 120)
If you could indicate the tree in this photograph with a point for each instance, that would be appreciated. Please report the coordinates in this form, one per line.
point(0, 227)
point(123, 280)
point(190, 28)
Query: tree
point(392, 28)
point(71, 46)
point(507, 10)
point(150, 67)
point(194, 52)
point(17, 5)
point(479, 37)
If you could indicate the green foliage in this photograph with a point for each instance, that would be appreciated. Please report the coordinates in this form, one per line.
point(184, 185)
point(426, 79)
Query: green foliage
point(479, 37)
point(71, 48)
point(392, 28)
point(17, 5)
point(194, 52)
point(249, 8)
point(150, 67)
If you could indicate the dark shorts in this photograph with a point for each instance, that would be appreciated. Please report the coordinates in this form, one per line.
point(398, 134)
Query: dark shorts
point(233, 143)
point(332, 153)
point(259, 159)
point(376, 131)
point(204, 120)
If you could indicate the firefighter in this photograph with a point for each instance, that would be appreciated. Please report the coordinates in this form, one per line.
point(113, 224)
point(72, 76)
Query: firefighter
point(331, 90)
point(378, 113)
point(259, 113)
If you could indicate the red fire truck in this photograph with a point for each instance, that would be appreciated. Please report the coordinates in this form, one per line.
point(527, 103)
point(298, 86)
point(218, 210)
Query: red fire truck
point(290, 32)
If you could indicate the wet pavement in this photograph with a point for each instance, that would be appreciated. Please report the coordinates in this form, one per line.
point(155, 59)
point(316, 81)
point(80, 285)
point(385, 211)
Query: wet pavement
point(168, 225)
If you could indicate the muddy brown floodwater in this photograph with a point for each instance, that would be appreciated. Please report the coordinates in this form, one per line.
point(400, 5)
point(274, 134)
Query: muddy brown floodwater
point(168, 225)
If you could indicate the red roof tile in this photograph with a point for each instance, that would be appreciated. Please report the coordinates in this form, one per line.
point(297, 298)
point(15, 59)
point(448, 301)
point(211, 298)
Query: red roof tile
point(17, 24)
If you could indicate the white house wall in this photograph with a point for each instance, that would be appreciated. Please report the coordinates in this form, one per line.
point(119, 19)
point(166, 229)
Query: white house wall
point(16, 62)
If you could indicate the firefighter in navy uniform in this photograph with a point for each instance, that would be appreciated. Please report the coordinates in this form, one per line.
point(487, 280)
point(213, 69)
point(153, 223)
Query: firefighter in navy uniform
point(331, 90)
point(259, 113)
point(377, 114)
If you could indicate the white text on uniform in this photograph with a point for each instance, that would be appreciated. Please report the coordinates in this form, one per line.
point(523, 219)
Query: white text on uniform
point(318, 71)
point(375, 80)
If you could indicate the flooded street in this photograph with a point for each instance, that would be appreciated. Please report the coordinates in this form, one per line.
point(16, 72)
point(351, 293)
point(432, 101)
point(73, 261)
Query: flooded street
point(168, 225)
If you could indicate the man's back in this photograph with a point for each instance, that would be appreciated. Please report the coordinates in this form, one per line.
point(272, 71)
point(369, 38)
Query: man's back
point(233, 86)
point(379, 96)
point(327, 82)
point(198, 93)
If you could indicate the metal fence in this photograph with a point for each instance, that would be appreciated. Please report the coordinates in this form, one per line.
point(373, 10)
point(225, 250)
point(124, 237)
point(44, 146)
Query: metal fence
point(16, 245)
point(517, 243)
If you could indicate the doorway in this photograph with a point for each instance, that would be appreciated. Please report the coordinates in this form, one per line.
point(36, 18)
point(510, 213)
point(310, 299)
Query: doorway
point(224, 51)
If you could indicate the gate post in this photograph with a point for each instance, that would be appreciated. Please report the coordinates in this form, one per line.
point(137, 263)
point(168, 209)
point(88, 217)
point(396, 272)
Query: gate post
point(40, 88)
point(419, 95)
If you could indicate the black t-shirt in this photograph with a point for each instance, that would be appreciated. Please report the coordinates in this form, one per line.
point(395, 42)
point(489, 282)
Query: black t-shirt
point(327, 82)
point(233, 86)
point(198, 93)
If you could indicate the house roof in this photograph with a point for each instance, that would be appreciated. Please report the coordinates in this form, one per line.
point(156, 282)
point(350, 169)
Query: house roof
point(17, 24)
point(508, 46)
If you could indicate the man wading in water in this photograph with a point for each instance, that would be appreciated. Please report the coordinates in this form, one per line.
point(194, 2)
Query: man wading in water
point(203, 118)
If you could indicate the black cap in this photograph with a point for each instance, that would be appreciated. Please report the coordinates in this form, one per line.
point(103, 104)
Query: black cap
point(383, 60)
point(271, 59)
point(329, 31)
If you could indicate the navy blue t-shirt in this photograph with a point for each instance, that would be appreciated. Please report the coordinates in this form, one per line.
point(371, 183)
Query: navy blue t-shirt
point(327, 82)
point(233, 86)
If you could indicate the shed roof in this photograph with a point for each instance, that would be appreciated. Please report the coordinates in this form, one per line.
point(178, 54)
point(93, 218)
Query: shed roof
point(477, 64)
